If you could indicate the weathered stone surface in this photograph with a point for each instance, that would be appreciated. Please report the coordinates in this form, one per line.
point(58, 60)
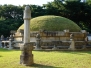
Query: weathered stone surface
point(26, 59)
point(26, 56)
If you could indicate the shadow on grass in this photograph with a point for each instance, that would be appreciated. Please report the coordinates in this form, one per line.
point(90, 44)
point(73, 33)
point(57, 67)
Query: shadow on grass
point(0, 56)
point(43, 66)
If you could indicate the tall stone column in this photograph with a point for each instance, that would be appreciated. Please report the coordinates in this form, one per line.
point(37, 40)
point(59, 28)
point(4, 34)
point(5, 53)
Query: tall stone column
point(26, 56)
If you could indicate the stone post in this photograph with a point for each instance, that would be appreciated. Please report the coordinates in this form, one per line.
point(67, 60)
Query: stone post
point(10, 44)
point(4, 45)
point(2, 38)
point(11, 39)
point(26, 56)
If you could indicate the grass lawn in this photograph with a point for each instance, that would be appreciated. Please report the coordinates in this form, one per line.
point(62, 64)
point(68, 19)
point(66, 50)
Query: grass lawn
point(47, 59)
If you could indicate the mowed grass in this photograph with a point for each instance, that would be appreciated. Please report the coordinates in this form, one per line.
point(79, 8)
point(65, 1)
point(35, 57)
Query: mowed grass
point(47, 59)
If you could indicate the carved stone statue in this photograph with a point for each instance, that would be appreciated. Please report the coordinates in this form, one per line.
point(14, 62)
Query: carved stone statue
point(11, 37)
point(72, 45)
point(38, 41)
point(38, 36)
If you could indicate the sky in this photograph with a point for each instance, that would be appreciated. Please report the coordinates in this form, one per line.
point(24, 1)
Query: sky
point(26, 2)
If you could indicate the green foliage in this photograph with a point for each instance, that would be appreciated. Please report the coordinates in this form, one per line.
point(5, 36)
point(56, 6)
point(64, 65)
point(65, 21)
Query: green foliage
point(47, 59)
point(54, 8)
point(11, 17)
point(52, 23)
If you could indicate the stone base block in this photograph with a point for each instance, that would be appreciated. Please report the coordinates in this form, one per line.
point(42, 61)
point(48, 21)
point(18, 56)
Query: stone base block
point(71, 49)
point(26, 56)
point(26, 59)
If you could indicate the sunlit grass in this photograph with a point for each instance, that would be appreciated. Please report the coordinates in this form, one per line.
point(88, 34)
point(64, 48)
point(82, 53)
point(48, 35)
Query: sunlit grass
point(47, 59)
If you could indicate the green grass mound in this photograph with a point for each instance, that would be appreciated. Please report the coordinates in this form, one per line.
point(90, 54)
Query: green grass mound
point(52, 23)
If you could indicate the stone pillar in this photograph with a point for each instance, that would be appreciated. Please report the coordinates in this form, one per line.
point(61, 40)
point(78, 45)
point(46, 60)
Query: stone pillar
point(11, 39)
point(26, 56)
point(72, 45)
point(4, 45)
point(2, 38)
point(27, 17)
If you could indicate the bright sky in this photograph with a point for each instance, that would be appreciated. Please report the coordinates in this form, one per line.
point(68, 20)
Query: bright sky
point(26, 2)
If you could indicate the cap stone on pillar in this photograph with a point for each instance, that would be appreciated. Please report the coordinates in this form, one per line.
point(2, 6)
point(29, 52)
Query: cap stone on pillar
point(27, 13)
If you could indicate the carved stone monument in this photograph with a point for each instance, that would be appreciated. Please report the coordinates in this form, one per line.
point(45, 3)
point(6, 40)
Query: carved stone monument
point(26, 56)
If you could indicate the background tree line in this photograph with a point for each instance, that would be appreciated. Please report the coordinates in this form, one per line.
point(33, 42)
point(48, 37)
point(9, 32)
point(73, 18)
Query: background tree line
point(11, 16)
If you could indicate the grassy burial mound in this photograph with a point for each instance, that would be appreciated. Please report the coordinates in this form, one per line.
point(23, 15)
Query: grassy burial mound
point(52, 23)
